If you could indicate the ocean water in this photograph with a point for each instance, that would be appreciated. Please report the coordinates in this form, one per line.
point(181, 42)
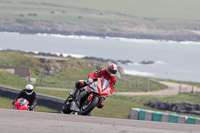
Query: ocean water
point(173, 60)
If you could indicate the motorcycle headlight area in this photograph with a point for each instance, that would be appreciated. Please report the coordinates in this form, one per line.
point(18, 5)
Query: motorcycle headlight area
point(94, 88)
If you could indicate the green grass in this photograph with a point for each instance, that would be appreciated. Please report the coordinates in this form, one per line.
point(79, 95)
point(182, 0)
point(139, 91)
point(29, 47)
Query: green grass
point(114, 12)
point(120, 106)
point(115, 106)
point(11, 80)
point(72, 70)
point(136, 84)
point(150, 8)
point(7, 103)
point(128, 18)
point(132, 84)
point(75, 69)
point(16, 59)
point(183, 9)
point(61, 94)
point(183, 82)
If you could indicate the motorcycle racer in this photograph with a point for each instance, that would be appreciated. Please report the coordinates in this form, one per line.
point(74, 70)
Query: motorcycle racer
point(108, 74)
point(29, 95)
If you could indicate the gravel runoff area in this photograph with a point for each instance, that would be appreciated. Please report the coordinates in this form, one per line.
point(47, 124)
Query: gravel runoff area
point(15, 121)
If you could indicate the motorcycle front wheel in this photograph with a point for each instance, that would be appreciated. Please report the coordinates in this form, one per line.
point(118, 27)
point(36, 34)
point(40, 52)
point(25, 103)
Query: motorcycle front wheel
point(66, 107)
point(87, 108)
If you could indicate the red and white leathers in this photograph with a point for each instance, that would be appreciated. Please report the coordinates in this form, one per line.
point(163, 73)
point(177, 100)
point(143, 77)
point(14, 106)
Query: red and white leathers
point(107, 76)
point(104, 73)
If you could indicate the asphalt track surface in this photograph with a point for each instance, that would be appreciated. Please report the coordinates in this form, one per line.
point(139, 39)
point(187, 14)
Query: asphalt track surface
point(15, 121)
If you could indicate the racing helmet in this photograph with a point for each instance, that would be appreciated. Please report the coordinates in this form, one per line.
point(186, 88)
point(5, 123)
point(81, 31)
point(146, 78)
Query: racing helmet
point(29, 89)
point(112, 69)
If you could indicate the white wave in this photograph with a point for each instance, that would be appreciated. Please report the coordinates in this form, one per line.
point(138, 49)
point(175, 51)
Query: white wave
point(135, 64)
point(153, 41)
point(151, 64)
point(121, 39)
point(63, 54)
point(70, 36)
point(56, 53)
point(35, 52)
point(72, 55)
point(138, 73)
point(160, 62)
point(5, 32)
point(132, 40)
point(114, 38)
point(84, 37)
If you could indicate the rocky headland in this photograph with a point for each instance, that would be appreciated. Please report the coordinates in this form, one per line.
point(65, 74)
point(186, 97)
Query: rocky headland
point(118, 62)
point(181, 31)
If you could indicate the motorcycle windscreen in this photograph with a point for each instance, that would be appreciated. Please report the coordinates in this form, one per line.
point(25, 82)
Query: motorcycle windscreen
point(101, 86)
point(22, 101)
point(105, 84)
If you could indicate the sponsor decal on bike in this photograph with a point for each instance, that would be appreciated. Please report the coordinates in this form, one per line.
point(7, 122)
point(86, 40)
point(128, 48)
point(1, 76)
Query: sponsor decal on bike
point(90, 97)
point(88, 90)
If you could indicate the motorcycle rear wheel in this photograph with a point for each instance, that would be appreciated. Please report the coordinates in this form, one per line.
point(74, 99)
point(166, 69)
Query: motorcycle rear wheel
point(86, 109)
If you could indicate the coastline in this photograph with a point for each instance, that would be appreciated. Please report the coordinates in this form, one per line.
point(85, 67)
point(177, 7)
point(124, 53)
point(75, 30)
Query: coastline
point(84, 37)
point(137, 69)
point(119, 39)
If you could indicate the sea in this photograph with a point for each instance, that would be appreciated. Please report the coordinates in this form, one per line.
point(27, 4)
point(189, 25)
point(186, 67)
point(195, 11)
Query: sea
point(172, 60)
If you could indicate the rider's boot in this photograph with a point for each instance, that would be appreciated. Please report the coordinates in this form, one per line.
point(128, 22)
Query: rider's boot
point(78, 85)
point(72, 94)
point(101, 104)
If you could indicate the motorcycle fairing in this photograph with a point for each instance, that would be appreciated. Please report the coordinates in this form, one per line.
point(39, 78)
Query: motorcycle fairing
point(74, 107)
point(103, 86)
point(90, 97)
point(21, 104)
point(96, 90)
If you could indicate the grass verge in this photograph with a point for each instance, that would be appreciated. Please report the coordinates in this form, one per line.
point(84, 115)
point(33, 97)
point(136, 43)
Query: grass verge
point(7, 103)
point(120, 106)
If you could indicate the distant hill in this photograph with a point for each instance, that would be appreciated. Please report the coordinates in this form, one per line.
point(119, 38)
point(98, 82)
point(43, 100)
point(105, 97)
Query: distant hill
point(153, 19)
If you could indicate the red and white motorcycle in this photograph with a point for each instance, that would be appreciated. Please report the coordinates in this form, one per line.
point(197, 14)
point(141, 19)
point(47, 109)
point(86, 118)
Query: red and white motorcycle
point(87, 98)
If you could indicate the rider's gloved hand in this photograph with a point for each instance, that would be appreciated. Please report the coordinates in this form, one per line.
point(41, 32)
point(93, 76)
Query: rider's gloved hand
point(90, 80)
point(30, 108)
point(13, 102)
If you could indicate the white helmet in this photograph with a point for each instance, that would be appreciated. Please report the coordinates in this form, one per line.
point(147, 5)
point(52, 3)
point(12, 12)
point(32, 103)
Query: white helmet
point(29, 89)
